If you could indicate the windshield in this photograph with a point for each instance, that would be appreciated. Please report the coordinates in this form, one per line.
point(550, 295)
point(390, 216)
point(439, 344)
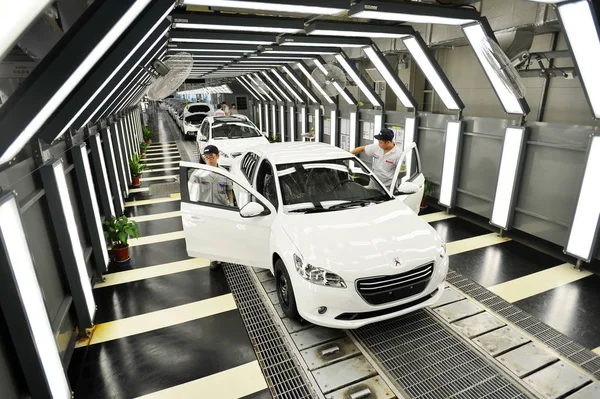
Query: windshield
point(195, 119)
point(328, 185)
point(198, 108)
point(234, 130)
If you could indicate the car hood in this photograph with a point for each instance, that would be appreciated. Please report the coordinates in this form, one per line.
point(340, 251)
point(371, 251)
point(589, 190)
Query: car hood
point(362, 242)
point(238, 145)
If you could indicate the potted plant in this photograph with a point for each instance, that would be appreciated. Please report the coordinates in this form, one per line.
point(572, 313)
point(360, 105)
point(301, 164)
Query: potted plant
point(143, 148)
point(136, 167)
point(425, 194)
point(118, 231)
point(147, 134)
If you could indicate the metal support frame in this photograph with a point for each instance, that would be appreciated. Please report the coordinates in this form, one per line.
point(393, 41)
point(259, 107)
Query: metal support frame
point(111, 167)
point(91, 212)
point(106, 197)
point(25, 312)
point(546, 87)
point(69, 244)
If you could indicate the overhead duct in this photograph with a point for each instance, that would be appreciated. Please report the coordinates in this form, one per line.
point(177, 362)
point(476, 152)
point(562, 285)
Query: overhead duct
point(517, 43)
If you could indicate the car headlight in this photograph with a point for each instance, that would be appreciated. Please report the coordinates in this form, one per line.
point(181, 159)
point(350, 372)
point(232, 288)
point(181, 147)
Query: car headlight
point(224, 155)
point(442, 251)
point(317, 275)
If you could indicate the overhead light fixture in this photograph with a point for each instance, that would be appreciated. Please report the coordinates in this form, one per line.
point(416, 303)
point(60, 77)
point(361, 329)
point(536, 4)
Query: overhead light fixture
point(245, 86)
point(433, 72)
point(362, 85)
point(282, 122)
point(357, 30)
point(333, 125)
point(262, 83)
point(237, 23)
point(353, 131)
point(301, 50)
point(202, 47)
point(312, 80)
point(452, 149)
point(263, 62)
point(262, 91)
point(579, 20)
point(292, 112)
point(67, 233)
point(390, 77)
point(513, 150)
point(478, 37)
point(323, 41)
point(73, 80)
point(27, 321)
point(217, 55)
point(413, 13)
point(295, 79)
point(583, 234)
point(317, 125)
point(410, 136)
point(279, 89)
point(15, 20)
point(266, 56)
point(317, 7)
point(217, 37)
point(287, 85)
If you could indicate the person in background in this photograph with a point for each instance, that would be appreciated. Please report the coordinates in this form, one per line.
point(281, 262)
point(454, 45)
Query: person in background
point(386, 155)
point(225, 108)
point(233, 110)
point(219, 111)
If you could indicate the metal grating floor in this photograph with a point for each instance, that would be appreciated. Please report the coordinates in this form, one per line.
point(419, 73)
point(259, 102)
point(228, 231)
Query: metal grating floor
point(282, 373)
point(430, 362)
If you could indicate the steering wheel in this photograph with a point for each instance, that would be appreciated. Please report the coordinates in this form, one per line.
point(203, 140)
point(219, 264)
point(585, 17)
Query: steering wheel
point(342, 182)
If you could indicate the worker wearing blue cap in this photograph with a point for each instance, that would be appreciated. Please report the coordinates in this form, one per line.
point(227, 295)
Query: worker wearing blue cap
point(386, 155)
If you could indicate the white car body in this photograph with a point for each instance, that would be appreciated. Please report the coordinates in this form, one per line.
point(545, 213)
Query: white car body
point(197, 111)
point(375, 245)
point(230, 149)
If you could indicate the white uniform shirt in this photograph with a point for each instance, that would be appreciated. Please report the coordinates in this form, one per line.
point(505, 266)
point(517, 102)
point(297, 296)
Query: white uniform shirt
point(209, 187)
point(384, 165)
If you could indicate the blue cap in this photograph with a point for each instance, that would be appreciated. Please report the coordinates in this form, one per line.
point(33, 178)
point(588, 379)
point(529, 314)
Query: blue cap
point(385, 134)
point(210, 149)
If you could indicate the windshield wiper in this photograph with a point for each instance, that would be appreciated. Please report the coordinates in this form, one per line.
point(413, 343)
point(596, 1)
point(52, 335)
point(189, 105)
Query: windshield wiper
point(310, 210)
point(353, 203)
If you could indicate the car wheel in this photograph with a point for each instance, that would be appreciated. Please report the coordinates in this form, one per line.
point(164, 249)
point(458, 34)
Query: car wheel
point(285, 291)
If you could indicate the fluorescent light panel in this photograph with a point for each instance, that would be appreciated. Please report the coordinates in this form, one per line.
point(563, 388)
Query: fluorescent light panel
point(111, 148)
point(317, 125)
point(358, 80)
point(259, 79)
point(96, 138)
point(584, 229)
point(225, 41)
point(301, 50)
point(274, 118)
point(449, 166)
point(391, 79)
point(21, 264)
point(333, 125)
point(581, 27)
point(292, 123)
point(282, 122)
point(377, 125)
point(279, 89)
point(323, 41)
point(331, 7)
point(260, 117)
point(80, 72)
point(357, 30)
point(287, 85)
point(512, 151)
point(303, 120)
point(314, 83)
point(410, 131)
point(264, 56)
point(237, 23)
point(353, 125)
point(290, 73)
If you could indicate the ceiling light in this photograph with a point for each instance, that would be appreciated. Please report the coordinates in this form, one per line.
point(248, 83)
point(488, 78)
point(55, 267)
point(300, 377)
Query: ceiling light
point(15, 20)
point(317, 7)
point(270, 62)
point(259, 88)
point(322, 41)
point(452, 149)
point(245, 86)
point(413, 12)
point(279, 89)
point(391, 78)
point(314, 82)
point(478, 37)
point(192, 47)
point(237, 23)
point(287, 85)
point(354, 74)
point(73, 80)
point(273, 92)
point(264, 56)
point(357, 30)
point(433, 72)
point(301, 50)
point(295, 79)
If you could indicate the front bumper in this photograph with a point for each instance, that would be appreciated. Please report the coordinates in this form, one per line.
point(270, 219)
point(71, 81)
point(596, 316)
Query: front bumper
point(346, 309)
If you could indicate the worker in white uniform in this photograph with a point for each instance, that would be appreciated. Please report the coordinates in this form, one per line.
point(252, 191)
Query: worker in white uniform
point(211, 188)
point(386, 155)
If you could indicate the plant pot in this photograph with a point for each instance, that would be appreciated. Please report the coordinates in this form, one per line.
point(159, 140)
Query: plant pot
point(121, 254)
point(143, 155)
point(136, 181)
point(424, 202)
point(147, 141)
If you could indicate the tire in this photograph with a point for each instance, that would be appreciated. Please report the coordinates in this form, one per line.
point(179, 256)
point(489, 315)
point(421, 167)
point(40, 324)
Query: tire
point(285, 291)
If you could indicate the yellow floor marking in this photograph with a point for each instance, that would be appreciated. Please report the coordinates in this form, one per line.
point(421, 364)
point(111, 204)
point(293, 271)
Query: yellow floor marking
point(434, 217)
point(156, 216)
point(156, 238)
point(469, 244)
point(151, 201)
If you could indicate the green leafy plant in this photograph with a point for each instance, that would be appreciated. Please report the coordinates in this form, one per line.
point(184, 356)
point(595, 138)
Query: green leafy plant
point(147, 133)
point(426, 188)
point(136, 166)
point(143, 146)
point(119, 230)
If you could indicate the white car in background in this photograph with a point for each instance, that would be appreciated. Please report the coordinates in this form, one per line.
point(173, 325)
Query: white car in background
point(344, 250)
point(232, 135)
point(193, 116)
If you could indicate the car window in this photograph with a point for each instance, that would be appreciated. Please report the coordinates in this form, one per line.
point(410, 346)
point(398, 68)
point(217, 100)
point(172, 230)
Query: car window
point(234, 130)
point(199, 108)
point(327, 183)
point(265, 183)
point(211, 188)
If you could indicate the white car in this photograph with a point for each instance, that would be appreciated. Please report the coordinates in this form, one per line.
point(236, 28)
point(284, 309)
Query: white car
point(232, 135)
point(344, 250)
point(193, 115)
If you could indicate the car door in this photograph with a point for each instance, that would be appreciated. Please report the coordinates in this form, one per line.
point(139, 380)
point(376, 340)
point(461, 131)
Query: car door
point(220, 232)
point(413, 183)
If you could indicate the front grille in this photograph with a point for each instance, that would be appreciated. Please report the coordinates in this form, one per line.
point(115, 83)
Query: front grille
point(385, 289)
point(382, 312)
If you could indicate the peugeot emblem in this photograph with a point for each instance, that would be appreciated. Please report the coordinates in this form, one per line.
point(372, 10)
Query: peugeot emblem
point(397, 262)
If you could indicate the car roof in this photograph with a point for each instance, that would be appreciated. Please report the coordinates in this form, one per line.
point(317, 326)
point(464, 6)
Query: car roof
point(227, 119)
point(301, 151)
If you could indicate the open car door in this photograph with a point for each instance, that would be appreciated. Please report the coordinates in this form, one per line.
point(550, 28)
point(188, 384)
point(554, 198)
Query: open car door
point(217, 225)
point(411, 186)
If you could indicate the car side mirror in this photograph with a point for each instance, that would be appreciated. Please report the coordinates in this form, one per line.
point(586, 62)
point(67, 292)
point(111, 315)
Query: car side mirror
point(407, 188)
point(202, 137)
point(252, 209)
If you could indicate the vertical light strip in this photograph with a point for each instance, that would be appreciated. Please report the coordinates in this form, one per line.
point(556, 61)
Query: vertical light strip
point(512, 152)
point(282, 121)
point(267, 130)
point(353, 126)
point(274, 119)
point(111, 149)
point(584, 229)
point(410, 132)
point(450, 165)
point(377, 125)
point(317, 125)
point(67, 209)
point(303, 120)
point(357, 79)
point(260, 118)
point(20, 266)
point(292, 124)
point(121, 157)
point(105, 174)
point(333, 136)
